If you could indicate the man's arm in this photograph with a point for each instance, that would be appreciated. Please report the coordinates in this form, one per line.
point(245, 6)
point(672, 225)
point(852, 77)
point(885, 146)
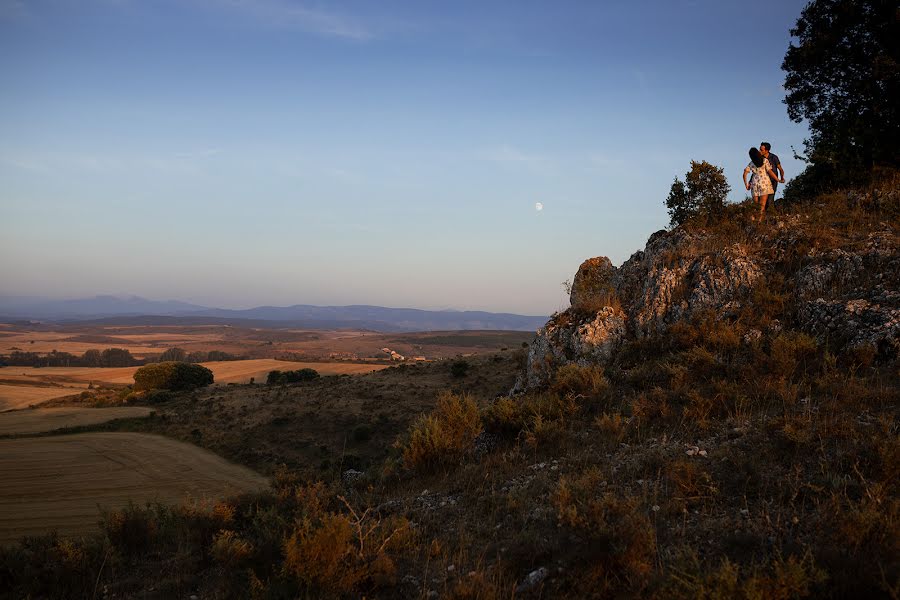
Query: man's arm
point(780, 171)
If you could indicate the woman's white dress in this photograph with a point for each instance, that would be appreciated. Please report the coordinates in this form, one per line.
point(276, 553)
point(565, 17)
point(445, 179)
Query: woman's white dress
point(760, 183)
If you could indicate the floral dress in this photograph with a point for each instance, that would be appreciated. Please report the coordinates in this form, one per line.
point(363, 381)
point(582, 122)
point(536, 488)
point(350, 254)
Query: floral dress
point(760, 184)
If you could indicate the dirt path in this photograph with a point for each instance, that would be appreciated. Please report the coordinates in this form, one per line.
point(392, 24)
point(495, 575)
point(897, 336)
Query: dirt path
point(48, 419)
point(58, 482)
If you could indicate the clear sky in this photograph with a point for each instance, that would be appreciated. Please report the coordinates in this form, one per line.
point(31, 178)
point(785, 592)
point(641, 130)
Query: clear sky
point(244, 152)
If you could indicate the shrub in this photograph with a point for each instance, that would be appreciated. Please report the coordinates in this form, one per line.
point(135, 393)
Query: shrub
point(623, 546)
point(230, 550)
point(791, 350)
point(172, 376)
point(335, 554)
point(459, 368)
point(131, 530)
point(444, 435)
point(577, 380)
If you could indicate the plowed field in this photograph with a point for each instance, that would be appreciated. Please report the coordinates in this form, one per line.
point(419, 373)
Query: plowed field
point(48, 419)
point(57, 483)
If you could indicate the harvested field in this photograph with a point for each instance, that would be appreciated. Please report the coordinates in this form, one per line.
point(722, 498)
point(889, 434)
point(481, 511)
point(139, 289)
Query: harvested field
point(240, 371)
point(39, 420)
point(233, 371)
point(77, 376)
point(13, 397)
point(57, 483)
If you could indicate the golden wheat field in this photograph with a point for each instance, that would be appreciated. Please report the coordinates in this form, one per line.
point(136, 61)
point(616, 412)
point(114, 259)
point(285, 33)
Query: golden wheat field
point(13, 397)
point(61, 483)
point(21, 387)
point(38, 420)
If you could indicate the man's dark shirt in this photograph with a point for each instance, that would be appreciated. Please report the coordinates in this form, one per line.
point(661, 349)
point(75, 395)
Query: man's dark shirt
point(774, 162)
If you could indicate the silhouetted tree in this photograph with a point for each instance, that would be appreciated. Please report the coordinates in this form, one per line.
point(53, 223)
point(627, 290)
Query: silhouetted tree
point(843, 77)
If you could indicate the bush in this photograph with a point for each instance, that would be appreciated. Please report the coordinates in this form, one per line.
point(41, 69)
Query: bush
point(444, 435)
point(622, 544)
point(459, 368)
point(172, 376)
point(284, 377)
point(579, 381)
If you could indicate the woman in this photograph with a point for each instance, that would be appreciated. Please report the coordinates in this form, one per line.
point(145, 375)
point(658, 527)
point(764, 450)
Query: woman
point(759, 182)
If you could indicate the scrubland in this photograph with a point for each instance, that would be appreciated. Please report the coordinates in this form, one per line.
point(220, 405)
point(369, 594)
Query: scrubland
point(718, 458)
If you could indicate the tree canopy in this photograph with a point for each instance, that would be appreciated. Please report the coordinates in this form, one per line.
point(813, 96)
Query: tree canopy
point(843, 77)
point(702, 193)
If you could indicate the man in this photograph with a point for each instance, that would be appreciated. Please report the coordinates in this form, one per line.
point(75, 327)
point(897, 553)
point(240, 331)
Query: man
point(764, 149)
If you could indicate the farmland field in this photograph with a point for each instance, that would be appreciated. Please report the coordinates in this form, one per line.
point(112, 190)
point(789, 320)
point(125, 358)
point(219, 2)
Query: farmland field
point(57, 483)
point(232, 371)
point(49, 419)
point(22, 396)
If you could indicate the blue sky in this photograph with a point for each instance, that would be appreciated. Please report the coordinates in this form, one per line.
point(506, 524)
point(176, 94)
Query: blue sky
point(237, 152)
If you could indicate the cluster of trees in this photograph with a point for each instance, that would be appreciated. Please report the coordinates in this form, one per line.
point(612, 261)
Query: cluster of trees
point(283, 377)
point(172, 376)
point(111, 357)
point(180, 355)
point(843, 79)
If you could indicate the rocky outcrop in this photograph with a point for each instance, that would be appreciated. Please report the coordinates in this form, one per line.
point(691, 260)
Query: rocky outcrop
point(566, 339)
point(592, 283)
point(845, 296)
point(850, 298)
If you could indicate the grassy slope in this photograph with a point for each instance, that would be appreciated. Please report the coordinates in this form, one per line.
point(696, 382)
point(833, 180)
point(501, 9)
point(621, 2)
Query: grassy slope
point(696, 466)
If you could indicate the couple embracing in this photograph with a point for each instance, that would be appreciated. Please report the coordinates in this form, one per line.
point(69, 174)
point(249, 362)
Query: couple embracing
point(764, 180)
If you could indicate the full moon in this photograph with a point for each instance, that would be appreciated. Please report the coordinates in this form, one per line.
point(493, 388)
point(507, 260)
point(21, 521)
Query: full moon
point(538, 206)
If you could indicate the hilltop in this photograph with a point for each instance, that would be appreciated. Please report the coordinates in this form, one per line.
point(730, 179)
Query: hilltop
point(715, 418)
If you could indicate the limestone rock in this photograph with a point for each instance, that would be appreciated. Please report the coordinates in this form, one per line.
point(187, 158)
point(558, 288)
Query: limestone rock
point(846, 294)
point(592, 285)
point(565, 339)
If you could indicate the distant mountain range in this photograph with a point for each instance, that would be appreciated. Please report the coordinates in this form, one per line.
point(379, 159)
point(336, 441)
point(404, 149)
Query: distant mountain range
point(133, 309)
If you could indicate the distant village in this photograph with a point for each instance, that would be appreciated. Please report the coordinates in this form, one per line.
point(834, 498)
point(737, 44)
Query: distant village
point(392, 354)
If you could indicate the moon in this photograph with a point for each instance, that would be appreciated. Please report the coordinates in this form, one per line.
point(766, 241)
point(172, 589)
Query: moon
point(538, 206)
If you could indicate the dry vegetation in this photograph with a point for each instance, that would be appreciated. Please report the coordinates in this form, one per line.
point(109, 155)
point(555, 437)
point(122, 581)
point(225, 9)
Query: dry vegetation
point(697, 465)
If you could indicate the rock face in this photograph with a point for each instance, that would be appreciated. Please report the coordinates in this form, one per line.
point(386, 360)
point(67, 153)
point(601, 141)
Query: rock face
point(593, 282)
point(852, 298)
point(846, 296)
point(592, 339)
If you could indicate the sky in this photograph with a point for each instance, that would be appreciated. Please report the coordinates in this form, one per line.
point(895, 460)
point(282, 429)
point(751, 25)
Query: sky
point(237, 153)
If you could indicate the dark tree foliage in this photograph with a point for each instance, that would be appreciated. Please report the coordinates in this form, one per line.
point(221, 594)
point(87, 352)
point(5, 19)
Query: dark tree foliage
point(702, 193)
point(843, 77)
point(283, 377)
point(92, 358)
point(117, 357)
point(111, 357)
point(173, 355)
point(459, 368)
point(172, 376)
